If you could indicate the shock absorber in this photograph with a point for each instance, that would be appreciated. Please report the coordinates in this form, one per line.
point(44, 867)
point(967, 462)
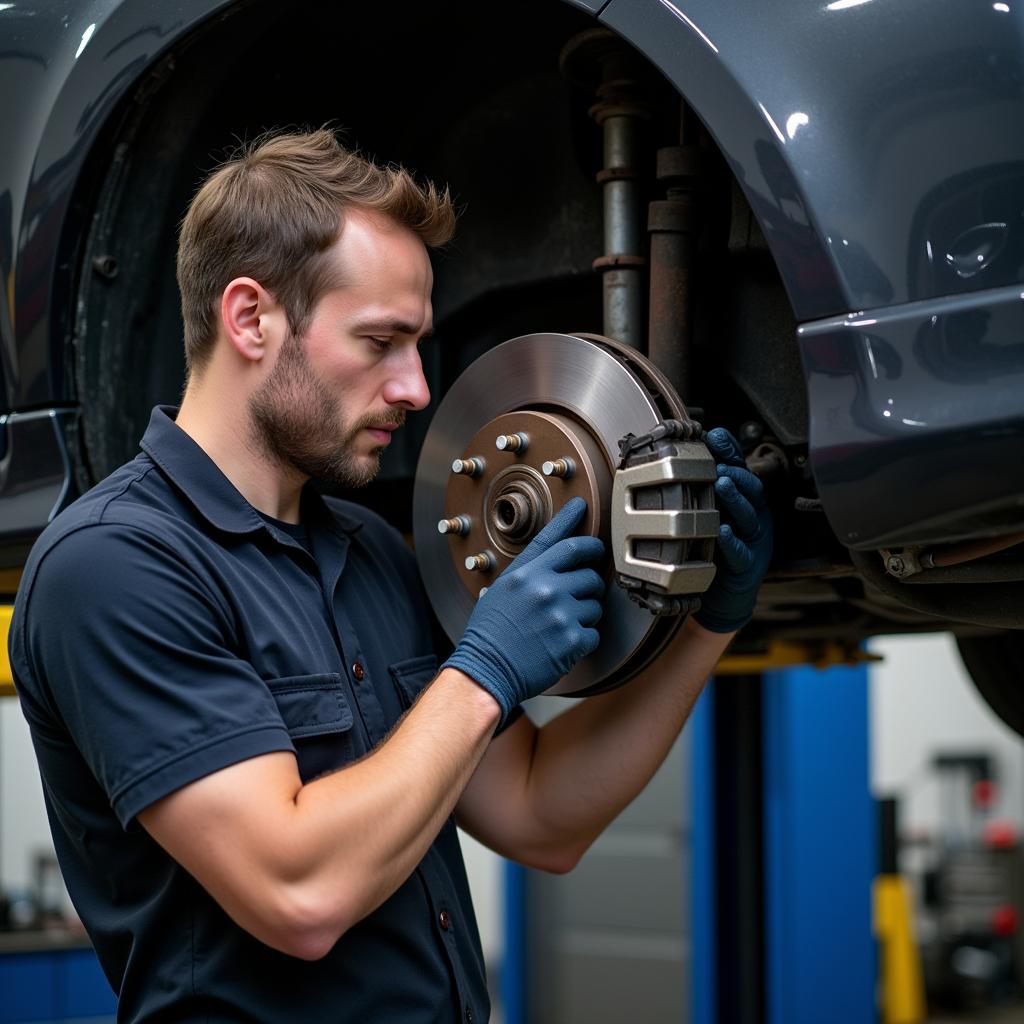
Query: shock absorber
point(599, 60)
point(673, 223)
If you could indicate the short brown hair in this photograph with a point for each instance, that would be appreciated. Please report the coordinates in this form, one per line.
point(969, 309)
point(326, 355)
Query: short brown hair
point(272, 212)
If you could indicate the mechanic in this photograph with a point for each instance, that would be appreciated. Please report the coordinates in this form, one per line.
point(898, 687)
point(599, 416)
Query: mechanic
point(252, 766)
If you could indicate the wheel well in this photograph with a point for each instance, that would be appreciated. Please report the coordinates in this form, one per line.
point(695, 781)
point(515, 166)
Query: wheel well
point(460, 101)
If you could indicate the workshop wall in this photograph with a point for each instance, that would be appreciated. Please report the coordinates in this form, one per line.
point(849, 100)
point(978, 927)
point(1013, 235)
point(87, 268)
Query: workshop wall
point(923, 703)
point(23, 827)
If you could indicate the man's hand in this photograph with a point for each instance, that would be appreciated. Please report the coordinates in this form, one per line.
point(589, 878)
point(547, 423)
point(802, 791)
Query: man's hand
point(537, 619)
point(744, 539)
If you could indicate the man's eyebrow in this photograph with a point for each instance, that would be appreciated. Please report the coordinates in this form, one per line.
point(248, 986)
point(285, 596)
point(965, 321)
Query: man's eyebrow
point(390, 327)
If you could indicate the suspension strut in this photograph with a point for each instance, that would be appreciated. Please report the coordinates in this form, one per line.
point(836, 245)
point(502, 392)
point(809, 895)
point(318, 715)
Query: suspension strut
point(673, 224)
point(599, 60)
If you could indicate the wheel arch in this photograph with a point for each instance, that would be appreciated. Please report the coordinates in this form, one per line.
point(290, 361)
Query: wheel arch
point(751, 141)
point(78, 67)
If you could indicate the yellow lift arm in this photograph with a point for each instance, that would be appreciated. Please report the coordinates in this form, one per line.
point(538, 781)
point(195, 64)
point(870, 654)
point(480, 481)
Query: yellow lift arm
point(6, 679)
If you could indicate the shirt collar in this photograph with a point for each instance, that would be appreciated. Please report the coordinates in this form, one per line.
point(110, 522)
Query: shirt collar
point(199, 478)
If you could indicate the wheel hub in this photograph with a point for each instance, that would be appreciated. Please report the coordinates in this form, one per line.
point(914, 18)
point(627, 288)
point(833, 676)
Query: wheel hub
point(517, 488)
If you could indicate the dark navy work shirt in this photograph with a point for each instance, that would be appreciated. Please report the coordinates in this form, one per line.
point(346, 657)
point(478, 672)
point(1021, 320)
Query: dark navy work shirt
point(164, 630)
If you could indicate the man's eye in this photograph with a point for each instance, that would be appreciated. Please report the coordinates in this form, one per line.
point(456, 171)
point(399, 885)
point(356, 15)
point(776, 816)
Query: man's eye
point(381, 344)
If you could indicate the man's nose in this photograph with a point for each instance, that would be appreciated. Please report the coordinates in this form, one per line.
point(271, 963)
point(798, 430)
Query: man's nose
point(407, 386)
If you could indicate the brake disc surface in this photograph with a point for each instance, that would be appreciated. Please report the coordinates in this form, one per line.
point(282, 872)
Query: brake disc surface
point(571, 399)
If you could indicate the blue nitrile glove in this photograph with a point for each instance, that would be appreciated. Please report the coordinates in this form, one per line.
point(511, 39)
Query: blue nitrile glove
point(537, 619)
point(744, 539)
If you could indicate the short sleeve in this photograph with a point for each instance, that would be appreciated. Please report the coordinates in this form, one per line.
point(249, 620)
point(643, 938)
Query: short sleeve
point(135, 652)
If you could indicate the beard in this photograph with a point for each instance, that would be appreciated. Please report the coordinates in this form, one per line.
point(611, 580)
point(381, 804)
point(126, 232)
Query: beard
point(295, 420)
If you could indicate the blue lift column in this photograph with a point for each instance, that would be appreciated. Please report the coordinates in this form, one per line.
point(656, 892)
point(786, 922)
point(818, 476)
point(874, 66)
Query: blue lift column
point(784, 850)
point(820, 847)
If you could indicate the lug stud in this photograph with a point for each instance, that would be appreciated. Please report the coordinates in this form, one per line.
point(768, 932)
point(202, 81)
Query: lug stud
point(559, 467)
point(473, 466)
point(483, 562)
point(518, 442)
point(459, 525)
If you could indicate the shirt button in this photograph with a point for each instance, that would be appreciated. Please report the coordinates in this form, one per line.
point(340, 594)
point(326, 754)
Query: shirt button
point(357, 670)
point(444, 920)
point(469, 1015)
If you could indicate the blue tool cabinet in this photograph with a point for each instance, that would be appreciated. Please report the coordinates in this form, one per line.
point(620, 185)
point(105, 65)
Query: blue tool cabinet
point(54, 985)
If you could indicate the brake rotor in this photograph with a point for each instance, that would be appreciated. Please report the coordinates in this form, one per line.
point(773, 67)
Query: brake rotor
point(530, 424)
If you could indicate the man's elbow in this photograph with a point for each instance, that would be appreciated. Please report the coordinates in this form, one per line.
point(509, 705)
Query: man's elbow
point(559, 866)
point(308, 945)
point(303, 925)
point(556, 860)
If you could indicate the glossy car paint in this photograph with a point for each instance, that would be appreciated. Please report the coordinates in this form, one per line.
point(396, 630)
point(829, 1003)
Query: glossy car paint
point(916, 418)
point(843, 120)
point(879, 146)
point(36, 467)
point(63, 67)
point(877, 143)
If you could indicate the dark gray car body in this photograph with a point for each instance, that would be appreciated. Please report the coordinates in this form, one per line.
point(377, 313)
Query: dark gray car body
point(878, 146)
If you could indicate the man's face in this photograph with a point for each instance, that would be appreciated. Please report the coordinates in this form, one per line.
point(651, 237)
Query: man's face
point(334, 396)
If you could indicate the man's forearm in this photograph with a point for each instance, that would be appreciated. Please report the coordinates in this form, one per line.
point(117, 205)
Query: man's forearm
point(589, 763)
point(375, 820)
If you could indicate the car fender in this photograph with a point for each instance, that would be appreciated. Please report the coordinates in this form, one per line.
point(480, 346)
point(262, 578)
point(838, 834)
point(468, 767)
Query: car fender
point(841, 120)
point(63, 68)
point(878, 146)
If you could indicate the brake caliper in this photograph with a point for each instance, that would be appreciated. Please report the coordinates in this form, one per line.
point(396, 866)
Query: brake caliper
point(664, 522)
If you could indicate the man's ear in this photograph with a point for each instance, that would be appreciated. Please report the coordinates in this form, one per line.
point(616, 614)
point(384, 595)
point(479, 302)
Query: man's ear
point(251, 319)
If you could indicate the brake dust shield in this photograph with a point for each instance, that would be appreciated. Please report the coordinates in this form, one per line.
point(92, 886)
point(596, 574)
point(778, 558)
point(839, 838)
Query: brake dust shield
point(530, 424)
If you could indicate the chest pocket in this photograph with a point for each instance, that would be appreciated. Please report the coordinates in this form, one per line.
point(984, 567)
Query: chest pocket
point(411, 676)
point(319, 720)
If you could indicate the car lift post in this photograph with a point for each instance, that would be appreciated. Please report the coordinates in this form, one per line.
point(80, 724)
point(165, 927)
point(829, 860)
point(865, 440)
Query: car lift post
point(781, 894)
